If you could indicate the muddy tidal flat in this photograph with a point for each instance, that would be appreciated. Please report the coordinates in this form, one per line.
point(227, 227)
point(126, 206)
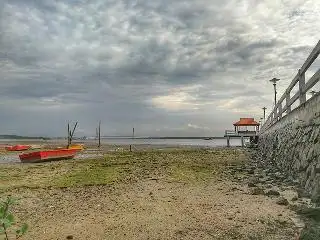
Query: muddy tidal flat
point(173, 193)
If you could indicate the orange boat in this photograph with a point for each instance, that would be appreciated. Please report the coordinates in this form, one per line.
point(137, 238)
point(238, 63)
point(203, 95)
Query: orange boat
point(78, 147)
point(48, 155)
point(17, 148)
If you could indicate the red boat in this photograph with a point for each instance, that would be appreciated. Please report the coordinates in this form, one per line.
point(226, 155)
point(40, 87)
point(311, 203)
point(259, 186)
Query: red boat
point(17, 148)
point(49, 155)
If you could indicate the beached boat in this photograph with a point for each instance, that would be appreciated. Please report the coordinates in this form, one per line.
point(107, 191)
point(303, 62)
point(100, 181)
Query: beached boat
point(208, 138)
point(34, 146)
point(76, 147)
point(17, 148)
point(47, 155)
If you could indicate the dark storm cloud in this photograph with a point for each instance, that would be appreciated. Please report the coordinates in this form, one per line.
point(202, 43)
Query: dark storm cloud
point(184, 65)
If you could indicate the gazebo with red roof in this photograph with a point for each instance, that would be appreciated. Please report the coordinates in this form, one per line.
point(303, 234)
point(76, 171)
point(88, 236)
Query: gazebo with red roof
point(241, 127)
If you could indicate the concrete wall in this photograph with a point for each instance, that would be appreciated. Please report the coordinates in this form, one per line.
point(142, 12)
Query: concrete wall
point(293, 145)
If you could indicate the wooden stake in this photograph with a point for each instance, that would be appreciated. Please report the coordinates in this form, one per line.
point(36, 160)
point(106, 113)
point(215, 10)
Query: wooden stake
point(68, 135)
point(99, 134)
point(132, 138)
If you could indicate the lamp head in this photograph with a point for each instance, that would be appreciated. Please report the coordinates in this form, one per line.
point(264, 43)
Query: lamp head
point(274, 80)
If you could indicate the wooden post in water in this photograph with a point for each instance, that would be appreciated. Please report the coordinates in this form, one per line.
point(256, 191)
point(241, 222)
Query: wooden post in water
point(132, 138)
point(99, 134)
point(68, 135)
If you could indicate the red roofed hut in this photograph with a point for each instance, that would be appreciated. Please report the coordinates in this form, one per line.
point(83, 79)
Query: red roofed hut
point(246, 126)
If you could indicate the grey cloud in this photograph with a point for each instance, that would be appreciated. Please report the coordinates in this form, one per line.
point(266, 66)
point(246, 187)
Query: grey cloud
point(92, 60)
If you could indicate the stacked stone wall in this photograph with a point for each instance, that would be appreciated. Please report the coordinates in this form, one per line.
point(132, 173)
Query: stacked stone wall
point(293, 145)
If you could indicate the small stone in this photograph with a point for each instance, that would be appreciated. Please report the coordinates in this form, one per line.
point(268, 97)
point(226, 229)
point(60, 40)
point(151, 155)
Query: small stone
point(69, 237)
point(298, 222)
point(250, 171)
point(262, 180)
point(251, 184)
point(257, 191)
point(294, 199)
point(282, 201)
point(302, 193)
point(272, 192)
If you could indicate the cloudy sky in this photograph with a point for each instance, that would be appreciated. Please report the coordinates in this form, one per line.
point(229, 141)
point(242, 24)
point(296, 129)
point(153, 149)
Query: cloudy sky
point(165, 67)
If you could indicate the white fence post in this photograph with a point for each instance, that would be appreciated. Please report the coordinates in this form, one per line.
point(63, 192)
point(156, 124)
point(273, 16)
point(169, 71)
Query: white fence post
point(280, 110)
point(287, 102)
point(302, 84)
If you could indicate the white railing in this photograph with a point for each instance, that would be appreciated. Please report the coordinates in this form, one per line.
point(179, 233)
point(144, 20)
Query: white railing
point(285, 102)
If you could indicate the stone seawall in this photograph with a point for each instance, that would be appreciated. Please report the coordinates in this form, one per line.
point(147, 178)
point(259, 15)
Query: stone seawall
point(293, 146)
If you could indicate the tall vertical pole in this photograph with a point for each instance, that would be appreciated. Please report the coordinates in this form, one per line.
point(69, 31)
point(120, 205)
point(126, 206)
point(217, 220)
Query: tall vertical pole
point(68, 135)
point(274, 81)
point(132, 138)
point(99, 134)
point(275, 93)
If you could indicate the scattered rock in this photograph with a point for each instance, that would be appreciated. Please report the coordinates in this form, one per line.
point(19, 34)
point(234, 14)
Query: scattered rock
point(272, 192)
point(294, 199)
point(303, 194)
point(251, 184)
point(262, 180)
point(298, 222)
point(257, 191)
point(282, 201)
point(69, 237)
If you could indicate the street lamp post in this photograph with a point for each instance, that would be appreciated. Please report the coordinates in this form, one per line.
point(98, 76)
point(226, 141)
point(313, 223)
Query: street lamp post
point(274, 81)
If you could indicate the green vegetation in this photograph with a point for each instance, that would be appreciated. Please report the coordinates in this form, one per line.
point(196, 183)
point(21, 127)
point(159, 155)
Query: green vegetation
point(94, 174)
point(175, 165)
point(311, 232)
point(7, 220)
point(312, 229)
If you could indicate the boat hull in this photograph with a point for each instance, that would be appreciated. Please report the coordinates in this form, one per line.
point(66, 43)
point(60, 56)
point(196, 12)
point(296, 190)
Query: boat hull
point(45, 156)
point(18, 148)
point(78, 147)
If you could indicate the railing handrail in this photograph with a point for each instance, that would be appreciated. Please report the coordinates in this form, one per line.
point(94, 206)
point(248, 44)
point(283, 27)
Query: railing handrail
point(304, 86)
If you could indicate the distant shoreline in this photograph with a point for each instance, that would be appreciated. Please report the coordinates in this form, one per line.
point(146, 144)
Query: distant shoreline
point(14, 137)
